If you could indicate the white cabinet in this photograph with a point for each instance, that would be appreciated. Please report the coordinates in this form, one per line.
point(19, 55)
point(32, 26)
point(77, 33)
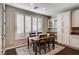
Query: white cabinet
point(74, 41)
point(66, 27)
point(49, 23)
point(59, 28)
point(63, 27)
point(52, 23)
point(75, 18)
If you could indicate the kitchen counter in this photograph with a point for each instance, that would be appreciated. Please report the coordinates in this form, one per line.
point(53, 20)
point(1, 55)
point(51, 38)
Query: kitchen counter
point(74, 33)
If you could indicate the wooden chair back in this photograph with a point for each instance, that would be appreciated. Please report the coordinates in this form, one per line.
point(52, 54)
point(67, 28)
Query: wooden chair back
point(32, 34)
point(39, 33)
point(43, 37)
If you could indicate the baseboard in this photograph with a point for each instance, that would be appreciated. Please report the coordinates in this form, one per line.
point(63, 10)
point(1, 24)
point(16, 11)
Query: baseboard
point(14, 47)
point(68, 46)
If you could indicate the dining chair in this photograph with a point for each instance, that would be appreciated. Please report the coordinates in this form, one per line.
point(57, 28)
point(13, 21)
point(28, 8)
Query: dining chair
point(39, 33)
point(52, 39)
point(32, 34)
point(42, 42)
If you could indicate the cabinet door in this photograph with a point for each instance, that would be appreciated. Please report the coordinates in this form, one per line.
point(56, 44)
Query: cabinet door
point(74, 41)
point(66, 27)
point(59, 28)
point(49, 23)
point(75, 18)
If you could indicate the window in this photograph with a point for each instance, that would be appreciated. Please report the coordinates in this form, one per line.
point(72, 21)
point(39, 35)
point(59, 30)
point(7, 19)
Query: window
point(37, 24)
point(20, 24)
point(34, 24)
point(27, 24)
point(40, 20)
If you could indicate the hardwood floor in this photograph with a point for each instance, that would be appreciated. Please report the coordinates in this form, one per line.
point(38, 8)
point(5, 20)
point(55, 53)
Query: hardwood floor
point(68, 51)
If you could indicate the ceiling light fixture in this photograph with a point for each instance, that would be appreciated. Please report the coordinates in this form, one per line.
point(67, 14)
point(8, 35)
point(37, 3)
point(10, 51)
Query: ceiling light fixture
point(44, 8)
point(31, 3)
point(36, 7)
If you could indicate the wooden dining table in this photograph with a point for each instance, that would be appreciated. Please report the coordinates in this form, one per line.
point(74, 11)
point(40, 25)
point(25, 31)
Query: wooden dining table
point(36, 39)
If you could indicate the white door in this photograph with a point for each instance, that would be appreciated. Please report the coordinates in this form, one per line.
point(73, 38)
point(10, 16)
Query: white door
point(59, 28)
point(66, 27)
point(0, 29)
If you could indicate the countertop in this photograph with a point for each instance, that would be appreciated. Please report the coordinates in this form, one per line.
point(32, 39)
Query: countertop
point(74, 33)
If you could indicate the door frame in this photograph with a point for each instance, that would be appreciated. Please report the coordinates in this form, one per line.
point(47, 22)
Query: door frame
point(3, 29)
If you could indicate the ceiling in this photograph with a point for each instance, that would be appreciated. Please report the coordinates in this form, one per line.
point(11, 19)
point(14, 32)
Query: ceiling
point(49, 9)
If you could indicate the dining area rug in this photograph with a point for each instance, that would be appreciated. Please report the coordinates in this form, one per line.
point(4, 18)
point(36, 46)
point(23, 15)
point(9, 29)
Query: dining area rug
point(25, 51)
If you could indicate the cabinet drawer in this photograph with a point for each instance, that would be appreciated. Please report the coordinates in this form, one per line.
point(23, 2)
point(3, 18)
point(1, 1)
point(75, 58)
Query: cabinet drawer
point(74, 41)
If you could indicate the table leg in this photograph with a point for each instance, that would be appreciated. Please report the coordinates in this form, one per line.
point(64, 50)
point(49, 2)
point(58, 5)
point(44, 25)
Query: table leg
point(35, 48)
point(49, 46)
point(53, 44)
point(45, 47)
point(28, 42)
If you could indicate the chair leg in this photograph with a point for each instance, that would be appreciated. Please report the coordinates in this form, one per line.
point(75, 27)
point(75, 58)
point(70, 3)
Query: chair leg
point(53, 44)
point(28, 43)
point(35, 49)
point(45, 48)
point(39, 49)
point(49, 46)
point(33, 46)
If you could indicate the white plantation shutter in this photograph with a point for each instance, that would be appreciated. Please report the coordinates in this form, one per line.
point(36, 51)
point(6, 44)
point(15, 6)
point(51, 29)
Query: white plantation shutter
point(20, 24)
point(27, 24)
point(40, 24)
point(34, 24)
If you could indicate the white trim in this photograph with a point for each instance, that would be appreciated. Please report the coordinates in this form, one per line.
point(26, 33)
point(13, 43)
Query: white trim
point(14, 47)
point(69, 46)
point(1, 28)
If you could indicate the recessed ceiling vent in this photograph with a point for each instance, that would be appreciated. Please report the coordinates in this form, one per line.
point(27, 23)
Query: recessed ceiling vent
point(36, 7)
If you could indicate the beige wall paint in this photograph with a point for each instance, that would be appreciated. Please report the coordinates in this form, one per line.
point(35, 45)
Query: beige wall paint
point(10, 26)
point(45, 24)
